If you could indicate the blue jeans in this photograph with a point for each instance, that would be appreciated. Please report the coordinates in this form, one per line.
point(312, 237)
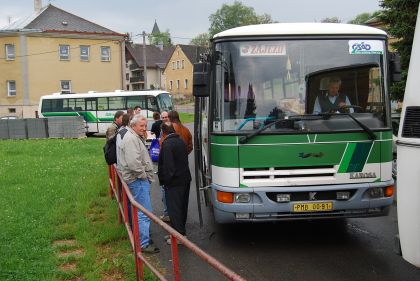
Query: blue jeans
point(141, 192)
point(165, 207)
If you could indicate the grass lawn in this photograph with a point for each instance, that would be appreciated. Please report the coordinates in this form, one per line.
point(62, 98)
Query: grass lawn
point(186, 117)
point(57, 220)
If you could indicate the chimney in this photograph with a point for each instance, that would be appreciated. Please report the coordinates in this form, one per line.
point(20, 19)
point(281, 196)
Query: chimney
point(38, 5)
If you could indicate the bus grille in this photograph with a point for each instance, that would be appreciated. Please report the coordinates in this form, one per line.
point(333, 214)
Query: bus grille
point(289, 175)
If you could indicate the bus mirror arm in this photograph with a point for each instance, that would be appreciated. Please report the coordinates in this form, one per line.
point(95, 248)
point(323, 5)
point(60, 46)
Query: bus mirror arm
point(395, 66)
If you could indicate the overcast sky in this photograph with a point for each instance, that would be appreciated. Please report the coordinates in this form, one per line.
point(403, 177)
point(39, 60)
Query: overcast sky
point(186, 18)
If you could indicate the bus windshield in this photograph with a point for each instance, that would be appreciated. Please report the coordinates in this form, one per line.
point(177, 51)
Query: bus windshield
point(165, 102)
point(257, 82)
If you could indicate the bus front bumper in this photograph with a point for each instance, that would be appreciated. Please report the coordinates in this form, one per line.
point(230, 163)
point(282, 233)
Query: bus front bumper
point(364, 201)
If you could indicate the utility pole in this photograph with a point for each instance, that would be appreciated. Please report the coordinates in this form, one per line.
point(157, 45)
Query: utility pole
point(144, 60)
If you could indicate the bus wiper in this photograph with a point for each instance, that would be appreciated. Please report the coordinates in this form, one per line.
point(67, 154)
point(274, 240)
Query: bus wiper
point(365, 128)
point(282, 123)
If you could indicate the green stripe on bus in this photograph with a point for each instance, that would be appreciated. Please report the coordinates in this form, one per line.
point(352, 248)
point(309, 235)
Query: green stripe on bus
point(88, 116)
point(347, 157)
point(358, 159)
point(224, 139)
point(52, 114)
point(224, 156)
point(301, 138)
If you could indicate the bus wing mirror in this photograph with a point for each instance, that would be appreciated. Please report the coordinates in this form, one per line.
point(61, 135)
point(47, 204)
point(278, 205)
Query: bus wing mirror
point(395, 67)
point(201, 79)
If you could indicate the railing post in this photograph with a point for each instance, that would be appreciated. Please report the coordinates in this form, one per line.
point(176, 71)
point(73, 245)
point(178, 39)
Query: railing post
point(119, 197)
point(125, 206)
point(137, 245)
point(175, 262)
point(110, 180)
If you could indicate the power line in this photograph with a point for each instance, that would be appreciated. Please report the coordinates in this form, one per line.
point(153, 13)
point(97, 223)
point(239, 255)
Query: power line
point(56, 51)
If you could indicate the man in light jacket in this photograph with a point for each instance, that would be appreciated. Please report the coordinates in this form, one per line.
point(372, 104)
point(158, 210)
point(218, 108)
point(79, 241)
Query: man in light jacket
point(137, 171)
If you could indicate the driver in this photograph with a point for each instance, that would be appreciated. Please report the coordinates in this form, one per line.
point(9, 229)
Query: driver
point(334, 100)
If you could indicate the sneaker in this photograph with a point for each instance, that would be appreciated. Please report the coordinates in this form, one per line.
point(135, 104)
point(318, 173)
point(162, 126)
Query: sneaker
point(150, 249)
point(165, 218)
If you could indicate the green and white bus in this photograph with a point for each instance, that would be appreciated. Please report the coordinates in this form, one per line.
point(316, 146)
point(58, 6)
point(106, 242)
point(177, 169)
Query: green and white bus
point(98, 109)
point(263, 154)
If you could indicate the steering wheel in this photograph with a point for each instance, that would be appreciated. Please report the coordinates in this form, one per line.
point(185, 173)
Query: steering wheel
point(345, 108)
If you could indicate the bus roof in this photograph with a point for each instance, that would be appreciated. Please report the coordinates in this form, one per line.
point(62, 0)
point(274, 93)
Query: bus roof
point(104, 94)
point(313, 28)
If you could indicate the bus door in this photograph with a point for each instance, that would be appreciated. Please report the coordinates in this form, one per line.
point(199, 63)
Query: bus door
point(91, 115)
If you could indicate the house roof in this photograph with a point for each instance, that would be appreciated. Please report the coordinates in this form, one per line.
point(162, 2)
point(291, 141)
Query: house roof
point(155, 57)
point(53, 19)
point(192, 52)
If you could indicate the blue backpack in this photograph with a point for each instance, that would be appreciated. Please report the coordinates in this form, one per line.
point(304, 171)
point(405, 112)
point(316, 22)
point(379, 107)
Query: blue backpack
point(154, 150)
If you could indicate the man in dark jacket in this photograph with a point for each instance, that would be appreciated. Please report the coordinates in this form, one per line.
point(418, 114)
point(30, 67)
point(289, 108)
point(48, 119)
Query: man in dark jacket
point(174, 174)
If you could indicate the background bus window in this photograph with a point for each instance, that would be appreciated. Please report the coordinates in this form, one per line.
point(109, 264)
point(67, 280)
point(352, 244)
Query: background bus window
point(165, 102)
point(91, 104)
point(117, 103)
point(79, 104)
point(134, 101)
point(46, 106)
point(102, 103)
point(152, 104)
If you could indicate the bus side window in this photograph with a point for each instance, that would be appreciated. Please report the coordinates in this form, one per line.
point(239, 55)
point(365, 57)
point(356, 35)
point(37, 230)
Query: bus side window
point(46, 106)
point(102, 104)
point(57, 105)
point(117, 103)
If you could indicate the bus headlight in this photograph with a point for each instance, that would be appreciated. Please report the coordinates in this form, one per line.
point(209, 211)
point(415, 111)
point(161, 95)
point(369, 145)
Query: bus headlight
point(376, 192)
point(242, 197)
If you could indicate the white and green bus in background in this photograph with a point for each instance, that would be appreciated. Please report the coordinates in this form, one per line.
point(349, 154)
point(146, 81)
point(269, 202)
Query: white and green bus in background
point(263, 153)
point(98, 109)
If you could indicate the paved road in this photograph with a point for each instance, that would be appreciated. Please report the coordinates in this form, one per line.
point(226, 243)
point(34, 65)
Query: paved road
point(352, 249)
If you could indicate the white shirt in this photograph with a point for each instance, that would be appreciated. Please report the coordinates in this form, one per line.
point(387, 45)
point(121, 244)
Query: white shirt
point(317, 106)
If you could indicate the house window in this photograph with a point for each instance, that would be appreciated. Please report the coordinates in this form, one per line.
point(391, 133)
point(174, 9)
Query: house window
point(10, 51)
point(64, 52)
point(186, 83)
point(177, 84)
point(105, 53)
point(65, 86)
point(12, 110)
point(11, 88)
point(84, 53)
point(177, 64)
point(182, 64)
point(173, 65)
point(170, 85)
point(127, 76)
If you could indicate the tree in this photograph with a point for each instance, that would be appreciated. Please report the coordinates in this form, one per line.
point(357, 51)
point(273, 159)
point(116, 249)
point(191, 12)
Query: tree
point(400, 18)
point(230, 16)
point(332, 20)
point(202, 40)
point(364, 17)
point(160, 37)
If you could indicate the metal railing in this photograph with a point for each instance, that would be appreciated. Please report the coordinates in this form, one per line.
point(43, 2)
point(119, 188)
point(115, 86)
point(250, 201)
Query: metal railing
point(119, 189)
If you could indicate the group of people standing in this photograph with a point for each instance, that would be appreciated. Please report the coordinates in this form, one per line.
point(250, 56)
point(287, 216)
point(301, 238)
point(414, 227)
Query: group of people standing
point(136, 167)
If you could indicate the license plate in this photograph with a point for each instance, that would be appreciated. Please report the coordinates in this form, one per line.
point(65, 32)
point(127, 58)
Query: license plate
point(313, 207)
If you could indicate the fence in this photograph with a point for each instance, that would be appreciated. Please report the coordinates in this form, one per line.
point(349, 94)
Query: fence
point(38, 128)
point(119, 189)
